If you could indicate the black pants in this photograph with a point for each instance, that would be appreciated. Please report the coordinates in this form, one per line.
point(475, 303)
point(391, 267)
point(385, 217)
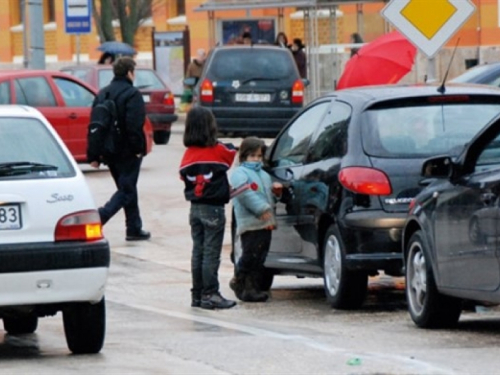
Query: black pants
point(125, 173)
point(255, 245)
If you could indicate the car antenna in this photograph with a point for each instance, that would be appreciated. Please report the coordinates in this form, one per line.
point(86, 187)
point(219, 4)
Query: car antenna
point(441, 89)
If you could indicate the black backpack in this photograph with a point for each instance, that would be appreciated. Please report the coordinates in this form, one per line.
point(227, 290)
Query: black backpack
point(104, 133)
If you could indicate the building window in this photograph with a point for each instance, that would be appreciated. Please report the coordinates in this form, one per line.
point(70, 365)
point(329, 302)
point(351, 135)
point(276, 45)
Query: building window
point(181, 7)
point(50, 11)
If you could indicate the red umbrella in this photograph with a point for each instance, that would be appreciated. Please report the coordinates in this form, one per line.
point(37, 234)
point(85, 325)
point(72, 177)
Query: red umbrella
point(385, 60)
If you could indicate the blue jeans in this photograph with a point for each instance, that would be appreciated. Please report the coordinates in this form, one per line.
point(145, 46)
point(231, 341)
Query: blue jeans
point(125, 173)
point(207, 231)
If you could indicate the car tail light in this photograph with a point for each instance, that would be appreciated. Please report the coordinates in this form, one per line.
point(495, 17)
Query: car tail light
point(207, 91)
point(168, 99)
point(298, 92)
point(79, 226)
point(367, 181)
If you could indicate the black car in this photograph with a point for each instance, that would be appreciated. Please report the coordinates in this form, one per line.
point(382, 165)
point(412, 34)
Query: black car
point(250, 89)
point(486, 74)
point(351, 163)
point(450, 240)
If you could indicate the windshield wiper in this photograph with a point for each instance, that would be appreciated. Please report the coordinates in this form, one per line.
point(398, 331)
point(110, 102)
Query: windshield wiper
point(259, 79)
point(22, 167)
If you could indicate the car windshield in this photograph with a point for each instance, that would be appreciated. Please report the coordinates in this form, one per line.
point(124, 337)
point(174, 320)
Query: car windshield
point(251, 63)
point(423, 131)
point(28, 150)
point(144, 79)
point(471, 74)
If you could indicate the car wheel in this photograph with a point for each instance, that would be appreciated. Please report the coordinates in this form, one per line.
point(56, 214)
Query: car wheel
point(344, 289)
point(427, 307)
point(475, 235)
point(161, 137)
point(85, 327)
point(20, 325)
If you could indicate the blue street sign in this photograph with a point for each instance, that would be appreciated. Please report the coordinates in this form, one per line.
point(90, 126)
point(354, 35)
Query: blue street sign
point(77, 14)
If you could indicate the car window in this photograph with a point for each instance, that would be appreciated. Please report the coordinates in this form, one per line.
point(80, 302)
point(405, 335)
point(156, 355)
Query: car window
point(471, 74)
point(34, 91)
point(28, 140)
point(147, 79)
point(241, 64)
point(330, 140)
point(82, 74)
point(74, 95)
point(5, 92)
point(104, 77)
point(292, 145)
point(422, 131)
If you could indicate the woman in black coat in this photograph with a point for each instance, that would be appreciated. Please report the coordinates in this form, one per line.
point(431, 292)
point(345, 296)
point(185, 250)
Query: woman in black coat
point(299, 55)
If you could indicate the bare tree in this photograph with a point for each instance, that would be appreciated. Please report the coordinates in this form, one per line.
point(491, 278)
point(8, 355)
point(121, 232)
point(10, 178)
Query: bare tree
point(130, 14)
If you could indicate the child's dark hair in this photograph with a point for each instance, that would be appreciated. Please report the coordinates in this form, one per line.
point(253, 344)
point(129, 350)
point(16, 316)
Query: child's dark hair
point(249, 146)
point(200, 129)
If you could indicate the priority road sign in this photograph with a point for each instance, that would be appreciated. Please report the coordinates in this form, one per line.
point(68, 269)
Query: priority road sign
point(428, 24)
point(77, 14)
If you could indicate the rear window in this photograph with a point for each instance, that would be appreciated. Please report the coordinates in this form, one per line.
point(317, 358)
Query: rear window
point(423, 131)
point(27, 140)
point(241, 64)
point(144, 79)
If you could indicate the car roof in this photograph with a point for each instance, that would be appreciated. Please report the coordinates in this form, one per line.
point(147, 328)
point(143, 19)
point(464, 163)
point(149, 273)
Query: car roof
point(31, 72)
point(389, 92)
point(101, 67)
point(16, 110)
point(247, 46)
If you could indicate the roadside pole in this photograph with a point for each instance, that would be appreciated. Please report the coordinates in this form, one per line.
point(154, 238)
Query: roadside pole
point(37, 36)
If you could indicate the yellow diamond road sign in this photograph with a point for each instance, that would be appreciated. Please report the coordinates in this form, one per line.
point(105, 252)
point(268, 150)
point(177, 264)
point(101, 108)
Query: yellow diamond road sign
point(428, 24)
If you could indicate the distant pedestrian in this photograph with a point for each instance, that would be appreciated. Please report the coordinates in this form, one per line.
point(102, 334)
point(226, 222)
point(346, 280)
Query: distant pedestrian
point(125, 164)
point(299, 55)
point(204, 169)
point(106, 59)
point(355, 39)
point(195, 67)
point(281, 40)
point(255, 220)
point(247, 38)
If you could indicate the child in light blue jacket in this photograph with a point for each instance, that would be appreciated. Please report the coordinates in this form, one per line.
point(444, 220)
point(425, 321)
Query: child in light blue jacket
point(254, 213)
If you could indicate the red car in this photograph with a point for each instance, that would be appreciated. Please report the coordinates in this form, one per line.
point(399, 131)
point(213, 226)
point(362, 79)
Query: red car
point(63, 99)
point(160, 106)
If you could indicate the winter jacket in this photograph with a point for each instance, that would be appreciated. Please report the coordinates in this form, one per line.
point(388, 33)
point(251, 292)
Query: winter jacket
point(203, 170)
point(251, 204)
point(194, 69)
point(131, 112)
point(300, 61)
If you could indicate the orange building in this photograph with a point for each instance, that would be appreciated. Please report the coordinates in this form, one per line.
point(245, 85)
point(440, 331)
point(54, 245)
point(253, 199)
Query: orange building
point(209, 27)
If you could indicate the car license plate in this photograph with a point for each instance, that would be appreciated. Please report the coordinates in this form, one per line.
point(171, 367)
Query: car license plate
point(253, 98)
point(146, 98)
point(10, 216)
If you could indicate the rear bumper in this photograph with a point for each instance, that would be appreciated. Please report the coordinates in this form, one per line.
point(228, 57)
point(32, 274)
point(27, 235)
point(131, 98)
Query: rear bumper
point(45, 273)
point(162, 121)
point(49, 256)
point(373, 240)
point(258, 121)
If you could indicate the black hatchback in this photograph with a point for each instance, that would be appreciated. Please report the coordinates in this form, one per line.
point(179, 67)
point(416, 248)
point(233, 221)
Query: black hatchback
point(351, 163)
point(251, 90)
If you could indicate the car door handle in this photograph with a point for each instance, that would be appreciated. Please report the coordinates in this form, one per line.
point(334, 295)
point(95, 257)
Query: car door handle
point(73, 116)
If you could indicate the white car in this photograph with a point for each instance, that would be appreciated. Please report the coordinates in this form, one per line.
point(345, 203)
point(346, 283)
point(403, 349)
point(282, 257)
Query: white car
point(53, 256)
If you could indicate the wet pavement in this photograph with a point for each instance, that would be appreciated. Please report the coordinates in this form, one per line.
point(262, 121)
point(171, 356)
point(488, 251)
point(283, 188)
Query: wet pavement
point(151, 328)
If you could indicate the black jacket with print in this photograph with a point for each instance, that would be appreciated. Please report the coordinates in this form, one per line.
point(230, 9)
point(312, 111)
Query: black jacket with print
point(204, 172)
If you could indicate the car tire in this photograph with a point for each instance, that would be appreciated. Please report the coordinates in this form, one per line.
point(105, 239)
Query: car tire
point(161, 137)
point(427, 307)
point(20, 325)
point(344, 288)
point(85, 327)
point(475, 235)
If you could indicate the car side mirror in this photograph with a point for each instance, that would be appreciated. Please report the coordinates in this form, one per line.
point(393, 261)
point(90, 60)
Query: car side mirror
point(438, 167)
point(306, 82)
point(190, 81)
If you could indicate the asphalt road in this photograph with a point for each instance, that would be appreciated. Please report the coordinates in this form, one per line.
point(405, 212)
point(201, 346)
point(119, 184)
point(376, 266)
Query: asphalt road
point(151, 328)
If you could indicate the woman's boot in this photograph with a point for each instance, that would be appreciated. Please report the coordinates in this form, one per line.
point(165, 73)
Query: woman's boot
point(237, 284)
